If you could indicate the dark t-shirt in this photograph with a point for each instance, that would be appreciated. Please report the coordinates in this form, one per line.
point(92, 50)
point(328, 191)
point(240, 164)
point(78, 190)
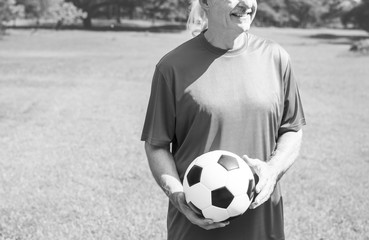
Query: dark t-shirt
point(204, 98)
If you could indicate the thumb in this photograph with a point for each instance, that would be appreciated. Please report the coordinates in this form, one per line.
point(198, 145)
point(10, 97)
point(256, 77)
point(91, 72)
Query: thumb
point(250, 161)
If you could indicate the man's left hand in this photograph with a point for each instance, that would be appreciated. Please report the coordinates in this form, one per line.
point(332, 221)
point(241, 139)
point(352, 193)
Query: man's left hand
point(267, 180)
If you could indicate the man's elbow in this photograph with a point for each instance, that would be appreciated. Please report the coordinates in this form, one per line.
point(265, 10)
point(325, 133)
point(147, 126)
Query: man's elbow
point(149, 148)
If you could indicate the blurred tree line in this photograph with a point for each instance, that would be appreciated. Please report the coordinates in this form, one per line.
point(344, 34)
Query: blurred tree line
point(280, 13)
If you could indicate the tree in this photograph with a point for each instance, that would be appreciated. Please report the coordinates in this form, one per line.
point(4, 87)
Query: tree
point(153, 9)
point(34, 8)
point(9, 10)
point(91, 7)
point(166, 9)
point(358, 15)
point(63, 12)
point(272, 13)
point(304, 13)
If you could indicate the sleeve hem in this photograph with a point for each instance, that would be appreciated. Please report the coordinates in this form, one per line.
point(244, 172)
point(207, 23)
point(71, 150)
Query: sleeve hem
point(293, 128)
point(155, 142)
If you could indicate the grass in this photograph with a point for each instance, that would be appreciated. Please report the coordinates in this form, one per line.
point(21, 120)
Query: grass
point(72, 105)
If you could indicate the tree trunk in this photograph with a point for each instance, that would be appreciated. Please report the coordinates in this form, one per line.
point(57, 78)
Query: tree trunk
point(59, 24)
point(2, 29)
point(87, 21)
point(118, 17)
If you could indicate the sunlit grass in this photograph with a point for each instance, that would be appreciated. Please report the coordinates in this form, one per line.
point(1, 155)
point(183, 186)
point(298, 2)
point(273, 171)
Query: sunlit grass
point(72, 105)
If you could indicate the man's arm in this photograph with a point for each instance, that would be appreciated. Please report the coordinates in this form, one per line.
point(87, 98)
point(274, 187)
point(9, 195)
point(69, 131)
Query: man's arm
point(164, 170)
point(269, 173)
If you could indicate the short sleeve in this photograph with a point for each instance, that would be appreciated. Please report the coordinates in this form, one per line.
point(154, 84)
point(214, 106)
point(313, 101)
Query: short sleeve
point(293, 114)
point(159, 122)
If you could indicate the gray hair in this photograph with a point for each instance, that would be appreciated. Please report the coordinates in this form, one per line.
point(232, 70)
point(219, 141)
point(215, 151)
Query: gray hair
point(197, 19)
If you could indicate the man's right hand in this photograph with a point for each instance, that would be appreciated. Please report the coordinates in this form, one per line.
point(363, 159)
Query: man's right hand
point(179, 201)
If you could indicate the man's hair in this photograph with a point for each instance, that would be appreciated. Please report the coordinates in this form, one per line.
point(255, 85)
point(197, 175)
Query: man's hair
point(197, 19)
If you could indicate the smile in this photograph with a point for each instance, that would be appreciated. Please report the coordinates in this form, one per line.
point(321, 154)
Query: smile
point(242, 12)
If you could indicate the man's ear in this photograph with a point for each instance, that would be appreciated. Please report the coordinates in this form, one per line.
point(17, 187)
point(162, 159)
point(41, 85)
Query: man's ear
point(204, 4)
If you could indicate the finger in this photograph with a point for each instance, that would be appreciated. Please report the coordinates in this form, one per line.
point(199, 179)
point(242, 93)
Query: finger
point(260, 185)
point(194, 217)
point(206, 223)
point(258, 202)
point(263, 196)
point(253, 163)
point(215, 225)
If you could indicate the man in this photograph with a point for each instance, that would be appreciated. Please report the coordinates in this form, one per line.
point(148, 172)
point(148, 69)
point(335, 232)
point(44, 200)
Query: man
point(230, 90)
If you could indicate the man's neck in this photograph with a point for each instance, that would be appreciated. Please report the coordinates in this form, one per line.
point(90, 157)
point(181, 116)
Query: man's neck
point(225, 40)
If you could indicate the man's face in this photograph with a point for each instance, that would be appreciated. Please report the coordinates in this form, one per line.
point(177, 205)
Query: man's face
point(231, 15)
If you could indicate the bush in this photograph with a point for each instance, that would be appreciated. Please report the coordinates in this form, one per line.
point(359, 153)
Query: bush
point(9, 10)
point(64, 12)
point(359, 16)
point(361, 46)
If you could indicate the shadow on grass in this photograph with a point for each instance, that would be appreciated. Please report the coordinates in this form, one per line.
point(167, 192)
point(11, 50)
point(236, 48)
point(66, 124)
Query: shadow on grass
point(339, 39)
point(158, 29)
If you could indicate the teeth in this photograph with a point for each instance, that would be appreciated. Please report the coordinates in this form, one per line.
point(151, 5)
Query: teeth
point(239, 14)
point(242, 13)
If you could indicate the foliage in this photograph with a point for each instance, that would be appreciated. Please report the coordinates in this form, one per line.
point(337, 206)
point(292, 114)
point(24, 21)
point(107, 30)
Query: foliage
point(63, 12)
point(303, 13)
point(34, 8)
point(93, 8)
point(165, 9)
point(358, 15)
point(280, 13)
point(151, 9)
point(360, 46)
point(272, 13)
point(9, 10)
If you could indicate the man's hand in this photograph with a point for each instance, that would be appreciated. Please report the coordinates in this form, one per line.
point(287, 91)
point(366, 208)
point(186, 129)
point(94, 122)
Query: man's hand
point(268, 177)
point(178, 200)
point(174, 190)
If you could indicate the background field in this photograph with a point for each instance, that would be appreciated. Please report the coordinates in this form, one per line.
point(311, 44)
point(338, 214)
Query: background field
point(72, 105)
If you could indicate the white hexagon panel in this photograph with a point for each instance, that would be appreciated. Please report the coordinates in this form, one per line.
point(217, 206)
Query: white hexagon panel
point(238, 181)
point(214, 176)
point(239, 205)
point(215, 213)
point(198, 195)
point(208, 158)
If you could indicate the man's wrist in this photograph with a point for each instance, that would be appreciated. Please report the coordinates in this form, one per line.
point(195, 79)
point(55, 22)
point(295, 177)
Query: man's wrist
point(170, 184)
point(275, 165)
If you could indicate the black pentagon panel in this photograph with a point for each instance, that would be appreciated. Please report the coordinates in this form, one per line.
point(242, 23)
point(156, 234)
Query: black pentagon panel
point(250, 189)
point(194, 175)
point(228, 162)
point(221, 197)
point(195, 209)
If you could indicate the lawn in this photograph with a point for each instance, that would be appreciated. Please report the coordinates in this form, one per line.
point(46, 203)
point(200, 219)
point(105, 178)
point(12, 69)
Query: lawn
point(72, 105)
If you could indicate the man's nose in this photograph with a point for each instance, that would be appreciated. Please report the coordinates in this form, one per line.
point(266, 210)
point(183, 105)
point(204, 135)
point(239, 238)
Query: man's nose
point(246, 3)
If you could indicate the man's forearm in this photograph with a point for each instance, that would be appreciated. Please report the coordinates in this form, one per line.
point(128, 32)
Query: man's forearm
point(165, 173)
point(288, 148)
point(163, 168)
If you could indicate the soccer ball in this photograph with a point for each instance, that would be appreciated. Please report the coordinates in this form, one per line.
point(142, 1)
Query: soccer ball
point(219, 185)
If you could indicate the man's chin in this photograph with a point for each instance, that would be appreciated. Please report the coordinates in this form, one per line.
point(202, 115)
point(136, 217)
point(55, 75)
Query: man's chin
point(244, 28)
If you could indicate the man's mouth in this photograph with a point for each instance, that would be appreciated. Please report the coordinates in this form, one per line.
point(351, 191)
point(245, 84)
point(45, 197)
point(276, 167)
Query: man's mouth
point(242, 12)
